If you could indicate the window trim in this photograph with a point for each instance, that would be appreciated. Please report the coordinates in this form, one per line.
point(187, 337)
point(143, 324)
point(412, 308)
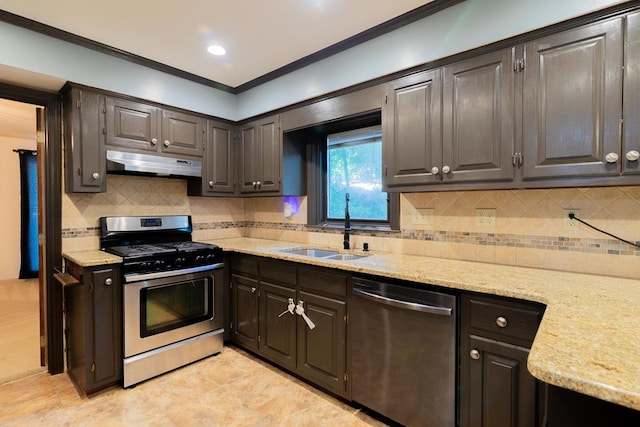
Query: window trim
point(317, 177)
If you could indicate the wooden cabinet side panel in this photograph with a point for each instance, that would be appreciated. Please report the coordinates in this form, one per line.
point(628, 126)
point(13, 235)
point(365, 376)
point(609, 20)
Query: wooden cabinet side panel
point(572, 102)
point(478, 118)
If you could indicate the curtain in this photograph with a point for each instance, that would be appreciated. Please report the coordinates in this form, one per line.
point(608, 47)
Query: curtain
point(28, 214)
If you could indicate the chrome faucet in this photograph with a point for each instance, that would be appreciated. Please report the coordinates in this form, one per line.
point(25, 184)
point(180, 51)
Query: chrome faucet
point(347, 223)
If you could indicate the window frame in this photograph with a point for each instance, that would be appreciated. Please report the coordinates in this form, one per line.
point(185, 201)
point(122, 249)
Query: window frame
point(317, 177)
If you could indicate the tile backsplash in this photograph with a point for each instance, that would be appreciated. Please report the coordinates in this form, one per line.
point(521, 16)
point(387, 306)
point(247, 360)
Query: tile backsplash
point(529, 227)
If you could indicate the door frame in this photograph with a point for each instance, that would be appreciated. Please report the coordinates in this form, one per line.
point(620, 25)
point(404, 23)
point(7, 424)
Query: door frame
point(52, 242)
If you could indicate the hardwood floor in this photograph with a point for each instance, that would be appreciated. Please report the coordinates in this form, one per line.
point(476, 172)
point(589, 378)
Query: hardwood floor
point(19, 329)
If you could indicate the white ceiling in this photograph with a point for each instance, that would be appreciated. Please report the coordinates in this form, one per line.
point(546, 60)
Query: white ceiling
point(260, 36)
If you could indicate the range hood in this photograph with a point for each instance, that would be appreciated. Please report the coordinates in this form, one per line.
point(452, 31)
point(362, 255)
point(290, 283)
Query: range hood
point(148, 164)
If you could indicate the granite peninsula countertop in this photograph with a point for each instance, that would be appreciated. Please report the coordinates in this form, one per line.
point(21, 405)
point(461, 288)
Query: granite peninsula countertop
point(589, 334)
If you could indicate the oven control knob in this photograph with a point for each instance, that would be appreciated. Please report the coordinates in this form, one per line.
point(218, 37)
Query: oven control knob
point(179, 262)
point(145, 265)
point(199, 259)
point(158, 264)
point(211, 258)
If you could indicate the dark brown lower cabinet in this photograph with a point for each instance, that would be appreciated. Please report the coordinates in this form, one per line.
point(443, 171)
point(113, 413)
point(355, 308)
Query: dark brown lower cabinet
point(496, 389)
point(93, 327)
point(261, 292)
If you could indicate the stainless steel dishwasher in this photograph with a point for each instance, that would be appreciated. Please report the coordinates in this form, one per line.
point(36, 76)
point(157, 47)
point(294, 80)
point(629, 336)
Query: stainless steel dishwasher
point(404, 352)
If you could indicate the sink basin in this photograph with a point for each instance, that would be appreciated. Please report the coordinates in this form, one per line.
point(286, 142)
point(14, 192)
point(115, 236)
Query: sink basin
point(313, 252)
point(344, 257)
point(322, 253)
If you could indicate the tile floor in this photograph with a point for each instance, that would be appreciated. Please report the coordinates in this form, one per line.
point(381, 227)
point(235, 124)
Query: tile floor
point(231, 389)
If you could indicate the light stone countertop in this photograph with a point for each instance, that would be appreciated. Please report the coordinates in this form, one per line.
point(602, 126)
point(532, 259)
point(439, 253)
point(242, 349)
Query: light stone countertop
point(589, 335)
point(590, 332)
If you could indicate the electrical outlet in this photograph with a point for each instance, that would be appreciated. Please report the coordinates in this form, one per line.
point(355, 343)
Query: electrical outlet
point(568, 223)
point(423, 216)
point(486, 217)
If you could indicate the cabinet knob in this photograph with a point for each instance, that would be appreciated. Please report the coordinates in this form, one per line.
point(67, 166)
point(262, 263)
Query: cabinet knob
point(632, 155)
point(210, 183)
point(254, 185)
point(446, 169)
point(166, 143)
point(108, 281)
point(474, 354)
point(253, 290)
point(259, 184)
point(154, 141)
point(501, 322)
point(611, 158)
point(435, 170)
point(95, 176)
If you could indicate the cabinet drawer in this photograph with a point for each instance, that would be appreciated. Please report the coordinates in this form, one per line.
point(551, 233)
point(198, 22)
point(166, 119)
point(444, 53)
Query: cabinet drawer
point(245, 264)
point(278, 272)
point(323, 281)
point(504, 319)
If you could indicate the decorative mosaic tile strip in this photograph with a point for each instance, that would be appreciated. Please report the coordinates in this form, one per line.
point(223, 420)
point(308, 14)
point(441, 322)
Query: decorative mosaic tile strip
point(72, 233)
point(556, 243)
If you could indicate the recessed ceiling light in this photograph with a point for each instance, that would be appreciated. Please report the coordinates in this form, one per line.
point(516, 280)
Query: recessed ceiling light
point(214, 49)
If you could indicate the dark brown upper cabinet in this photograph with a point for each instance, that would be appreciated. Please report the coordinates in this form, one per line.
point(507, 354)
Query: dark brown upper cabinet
point(412, 138)
point(218, 163)
point(85, 163)
point(479, 119)
point(631, 105)
point(261, 156)
point(572, 103)
point(139, 126)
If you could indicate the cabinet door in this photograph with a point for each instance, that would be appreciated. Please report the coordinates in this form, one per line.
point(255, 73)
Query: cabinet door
point(85, 156)
point(572, 102)
point(277, 333)
point(269, 155)
point(244, 317)
point(631, 107)
point(322, 350)
point(248, 166)
point(478, 118)
point(497, 390)
point(182, 133)
point(412, 137)
point(105, 365)
point(132, 124)
point(218, 161)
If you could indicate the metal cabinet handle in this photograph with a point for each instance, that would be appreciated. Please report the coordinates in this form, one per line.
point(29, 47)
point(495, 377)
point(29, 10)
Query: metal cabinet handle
point(166, 143)
point(154, 141)
point(435, 170)
point(475, 354)
point(95, 176)
point(611, 158)
point(632, 155)
point(210, 183)
point(108, 281)
point(446, 169)
point(501, 322)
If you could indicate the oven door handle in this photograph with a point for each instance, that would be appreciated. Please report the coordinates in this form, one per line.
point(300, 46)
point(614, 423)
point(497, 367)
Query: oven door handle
point(128, 278)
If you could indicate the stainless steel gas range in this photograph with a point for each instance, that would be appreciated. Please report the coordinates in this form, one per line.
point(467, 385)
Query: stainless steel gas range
point(172, 293)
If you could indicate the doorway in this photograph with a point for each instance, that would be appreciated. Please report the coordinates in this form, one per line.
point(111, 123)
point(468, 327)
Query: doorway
point(49, 145)
point(21, 305)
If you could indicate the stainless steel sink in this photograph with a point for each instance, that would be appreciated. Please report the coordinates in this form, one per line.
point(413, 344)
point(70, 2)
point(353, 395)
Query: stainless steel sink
point(344, 257)
point(313, 252)
point(322, 253)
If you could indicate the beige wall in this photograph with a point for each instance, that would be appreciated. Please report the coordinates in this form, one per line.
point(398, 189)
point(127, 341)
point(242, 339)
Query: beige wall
point(10, 196)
